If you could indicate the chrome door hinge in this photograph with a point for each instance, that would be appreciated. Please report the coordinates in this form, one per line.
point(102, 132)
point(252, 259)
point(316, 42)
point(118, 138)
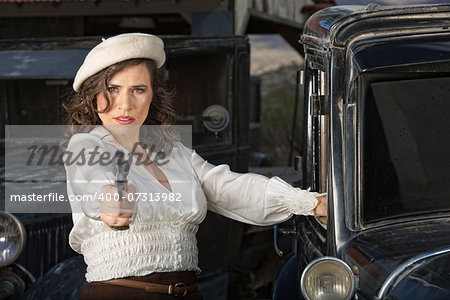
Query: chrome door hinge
point(320, 105)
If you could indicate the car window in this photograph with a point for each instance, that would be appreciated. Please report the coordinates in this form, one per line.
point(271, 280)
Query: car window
point(406, 139)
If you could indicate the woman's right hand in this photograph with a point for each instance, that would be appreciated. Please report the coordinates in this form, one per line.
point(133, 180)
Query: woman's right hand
point(116, 213)
point(320, 211)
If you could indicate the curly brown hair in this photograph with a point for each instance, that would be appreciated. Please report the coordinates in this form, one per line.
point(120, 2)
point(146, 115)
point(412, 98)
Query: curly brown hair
point(81, 110)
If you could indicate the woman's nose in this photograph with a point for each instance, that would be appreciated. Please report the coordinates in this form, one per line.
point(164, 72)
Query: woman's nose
point(124, 101)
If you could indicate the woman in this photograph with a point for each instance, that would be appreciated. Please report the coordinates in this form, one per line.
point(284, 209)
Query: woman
point(140, 247)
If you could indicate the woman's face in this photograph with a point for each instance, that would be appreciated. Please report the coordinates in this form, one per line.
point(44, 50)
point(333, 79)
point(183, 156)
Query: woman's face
point(130, 93)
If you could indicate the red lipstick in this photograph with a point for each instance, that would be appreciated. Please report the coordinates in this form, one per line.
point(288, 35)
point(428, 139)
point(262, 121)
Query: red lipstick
point(124, 120)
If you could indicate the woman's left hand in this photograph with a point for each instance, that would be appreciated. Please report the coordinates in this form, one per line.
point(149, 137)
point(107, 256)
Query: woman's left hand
point(320, 211)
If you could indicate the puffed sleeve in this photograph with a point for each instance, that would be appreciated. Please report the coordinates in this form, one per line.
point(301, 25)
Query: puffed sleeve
point(85, 176)
point(251, 198)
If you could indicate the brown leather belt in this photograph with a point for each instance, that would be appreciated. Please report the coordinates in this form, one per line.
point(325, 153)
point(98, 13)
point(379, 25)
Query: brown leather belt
point(178, 289)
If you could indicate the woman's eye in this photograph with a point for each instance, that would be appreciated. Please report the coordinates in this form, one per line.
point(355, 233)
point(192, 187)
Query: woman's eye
point(138, 90)
point(112, 89)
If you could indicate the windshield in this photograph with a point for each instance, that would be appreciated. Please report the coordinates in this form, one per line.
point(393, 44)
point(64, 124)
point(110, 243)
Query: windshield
point(405, 148)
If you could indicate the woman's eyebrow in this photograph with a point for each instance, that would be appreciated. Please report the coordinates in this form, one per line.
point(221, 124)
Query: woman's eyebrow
point(134, 86)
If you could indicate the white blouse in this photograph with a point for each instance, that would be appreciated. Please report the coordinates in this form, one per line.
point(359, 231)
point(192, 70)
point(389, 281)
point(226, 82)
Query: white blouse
point(162, 236)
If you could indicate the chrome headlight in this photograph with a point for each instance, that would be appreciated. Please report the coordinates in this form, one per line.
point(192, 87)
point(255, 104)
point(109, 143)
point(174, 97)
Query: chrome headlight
point(12, 238)
point(327, 278)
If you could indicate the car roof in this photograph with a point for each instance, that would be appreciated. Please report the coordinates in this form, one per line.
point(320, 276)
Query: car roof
point(338, 25)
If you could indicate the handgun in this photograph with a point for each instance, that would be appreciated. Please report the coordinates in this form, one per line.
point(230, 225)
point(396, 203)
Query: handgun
point(121, 169)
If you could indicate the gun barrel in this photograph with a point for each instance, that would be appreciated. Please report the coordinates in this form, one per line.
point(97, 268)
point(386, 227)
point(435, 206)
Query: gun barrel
point(122, 168)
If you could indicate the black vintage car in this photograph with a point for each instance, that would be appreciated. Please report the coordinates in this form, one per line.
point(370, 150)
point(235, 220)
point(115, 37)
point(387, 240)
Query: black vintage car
point(377, 134)
point(211, 76)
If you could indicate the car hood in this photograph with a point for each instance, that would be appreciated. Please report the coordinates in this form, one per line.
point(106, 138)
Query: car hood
point(379, 252)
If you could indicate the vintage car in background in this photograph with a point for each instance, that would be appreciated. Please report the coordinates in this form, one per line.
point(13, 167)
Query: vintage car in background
point(211, 76)
point(377, 134)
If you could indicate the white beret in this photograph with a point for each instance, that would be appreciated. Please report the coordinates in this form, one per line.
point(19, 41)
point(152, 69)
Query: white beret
point(119, 48)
